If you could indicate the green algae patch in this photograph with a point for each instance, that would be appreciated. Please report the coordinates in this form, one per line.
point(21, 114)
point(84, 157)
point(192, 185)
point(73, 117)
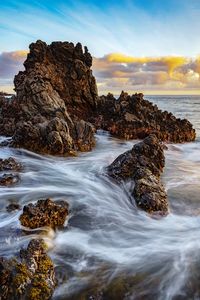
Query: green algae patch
point(32, 278)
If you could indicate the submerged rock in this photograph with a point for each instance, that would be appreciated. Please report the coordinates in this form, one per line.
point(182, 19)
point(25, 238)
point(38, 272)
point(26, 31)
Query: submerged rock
point(8, 179)
point(31, 277)
point(9, 164)
point(44, 213)
point(143, 164)
point(132, 117)
point(12, 207)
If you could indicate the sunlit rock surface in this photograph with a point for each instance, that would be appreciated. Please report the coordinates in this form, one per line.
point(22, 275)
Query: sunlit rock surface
point(44, 213)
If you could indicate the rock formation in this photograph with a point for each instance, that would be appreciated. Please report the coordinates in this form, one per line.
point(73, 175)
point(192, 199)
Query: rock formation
point(31, 277)
point(44, 213)
point(143, 164)
point(56, 101)
point(57, 81)
point(132, 117)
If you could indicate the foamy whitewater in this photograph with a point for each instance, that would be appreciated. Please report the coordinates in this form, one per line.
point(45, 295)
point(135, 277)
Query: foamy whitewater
point(106, 236)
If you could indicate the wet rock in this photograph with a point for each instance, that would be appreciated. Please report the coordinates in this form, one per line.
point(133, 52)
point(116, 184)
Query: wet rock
point(12, 207)
point(44, 213)
point(132, 117)
point(10, 164)
point(143, 165)
point(53, 95)
point(147, 154)
point(30, 277)
point(149, 193)
point(8, 179)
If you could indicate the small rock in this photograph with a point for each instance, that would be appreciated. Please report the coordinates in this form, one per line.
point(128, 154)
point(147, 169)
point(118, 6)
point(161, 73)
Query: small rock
point(10, 164)
point(8, 179)
point(13, 206)
point(44, 213)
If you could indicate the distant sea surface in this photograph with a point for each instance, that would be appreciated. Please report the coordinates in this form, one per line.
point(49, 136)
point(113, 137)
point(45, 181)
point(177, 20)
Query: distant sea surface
point(109, 246)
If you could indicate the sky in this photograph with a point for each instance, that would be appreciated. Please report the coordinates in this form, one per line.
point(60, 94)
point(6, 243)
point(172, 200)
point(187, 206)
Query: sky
point(149, 46)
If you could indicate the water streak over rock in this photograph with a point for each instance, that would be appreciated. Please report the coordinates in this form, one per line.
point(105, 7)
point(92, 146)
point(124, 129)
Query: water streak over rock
point(143, 164)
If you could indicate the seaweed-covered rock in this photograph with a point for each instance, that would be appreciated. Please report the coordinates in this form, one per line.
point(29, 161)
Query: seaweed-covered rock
point(44, 213)
point(132, 117)
point(143, 165)
point(30, 277)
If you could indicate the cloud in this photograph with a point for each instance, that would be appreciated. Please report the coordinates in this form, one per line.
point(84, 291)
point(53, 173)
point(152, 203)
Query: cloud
point(117, 71)
point(10, 64)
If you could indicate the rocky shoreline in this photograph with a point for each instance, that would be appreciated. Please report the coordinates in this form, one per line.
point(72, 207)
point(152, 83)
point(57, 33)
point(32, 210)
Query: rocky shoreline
point(57, 110)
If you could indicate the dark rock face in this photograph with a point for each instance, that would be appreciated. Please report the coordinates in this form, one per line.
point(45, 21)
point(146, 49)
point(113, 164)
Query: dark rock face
point(132, 117)
point(57, 81)
point(44, 213)
point(32, 277)
point(65, 68)
point(143, 164)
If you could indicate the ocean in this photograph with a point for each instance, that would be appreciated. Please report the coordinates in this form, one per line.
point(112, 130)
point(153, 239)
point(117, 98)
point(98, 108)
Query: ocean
point(107, 244)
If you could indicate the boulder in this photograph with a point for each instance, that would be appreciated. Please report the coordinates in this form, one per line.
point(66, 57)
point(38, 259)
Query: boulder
point(30, 277)
point(44, 213)
point(143, 165)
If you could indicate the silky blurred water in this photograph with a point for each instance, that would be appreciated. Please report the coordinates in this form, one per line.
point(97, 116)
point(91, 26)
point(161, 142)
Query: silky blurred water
point(106, 237)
